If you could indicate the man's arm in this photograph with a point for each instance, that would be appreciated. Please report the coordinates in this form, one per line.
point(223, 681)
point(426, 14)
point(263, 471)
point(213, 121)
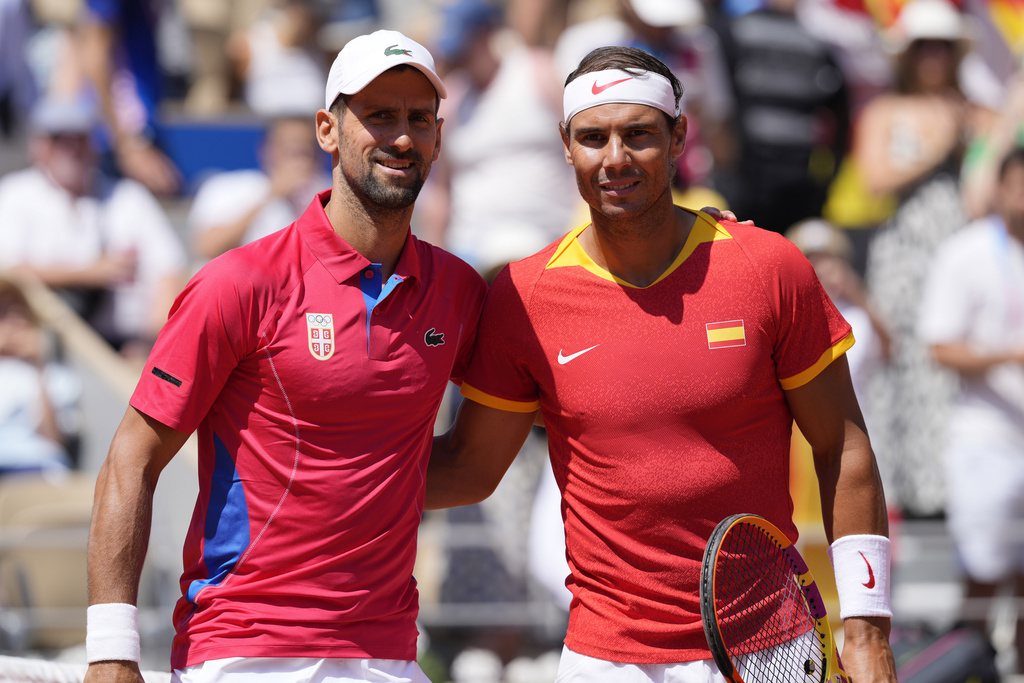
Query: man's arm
point(468, 461)
point(965, 360)
point(137, 157)
point(121, 517)
point(852, 500)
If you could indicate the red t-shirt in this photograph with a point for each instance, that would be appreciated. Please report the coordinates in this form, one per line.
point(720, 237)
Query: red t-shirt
point(665, 413)
point(314, 426)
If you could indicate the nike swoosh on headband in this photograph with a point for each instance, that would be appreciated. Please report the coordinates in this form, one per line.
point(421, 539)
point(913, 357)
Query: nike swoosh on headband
point(598, 89)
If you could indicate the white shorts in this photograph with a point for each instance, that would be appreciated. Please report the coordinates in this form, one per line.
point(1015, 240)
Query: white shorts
point(577, 668)
point(300, 669)
point(985, 508)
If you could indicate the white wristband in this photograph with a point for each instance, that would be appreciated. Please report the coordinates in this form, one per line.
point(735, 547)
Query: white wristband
point(112, 632)
point(861, 566)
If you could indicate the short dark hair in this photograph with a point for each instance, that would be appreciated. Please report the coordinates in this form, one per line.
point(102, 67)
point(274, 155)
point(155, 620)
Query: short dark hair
point(630, 59)
point(1014, 157)
point(340, 103)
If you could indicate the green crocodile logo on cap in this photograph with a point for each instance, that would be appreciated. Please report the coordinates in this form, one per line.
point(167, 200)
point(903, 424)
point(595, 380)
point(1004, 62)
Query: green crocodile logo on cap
point(395, 50)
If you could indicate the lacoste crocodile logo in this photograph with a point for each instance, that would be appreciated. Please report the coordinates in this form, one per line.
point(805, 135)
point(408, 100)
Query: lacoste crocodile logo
point(433, 337)
point(871, 573)
point(395, 50)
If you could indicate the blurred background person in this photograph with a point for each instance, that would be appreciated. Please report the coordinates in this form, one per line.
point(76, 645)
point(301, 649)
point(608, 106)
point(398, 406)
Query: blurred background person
point(210, 25)
point(909, 142)
point(17, 86)
point(830, 251)
point(276, 58)
point(237, 207)
point(119, 56)
point(972, 318)
point(501, 186)
point(988, 146)
point(792, 122)
point(105, 244)
point(39, 401)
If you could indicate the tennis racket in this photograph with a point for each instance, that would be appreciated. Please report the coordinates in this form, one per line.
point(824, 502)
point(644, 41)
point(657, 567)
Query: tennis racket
point(763, 614)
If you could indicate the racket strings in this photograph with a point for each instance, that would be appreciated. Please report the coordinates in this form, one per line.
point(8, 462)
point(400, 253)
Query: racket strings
point(762, 613)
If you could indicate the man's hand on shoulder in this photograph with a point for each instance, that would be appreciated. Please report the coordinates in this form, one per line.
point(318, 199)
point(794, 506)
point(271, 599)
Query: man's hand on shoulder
point(724, 215)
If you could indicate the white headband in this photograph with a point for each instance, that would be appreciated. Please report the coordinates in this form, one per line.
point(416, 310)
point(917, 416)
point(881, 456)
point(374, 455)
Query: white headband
point(617, 86)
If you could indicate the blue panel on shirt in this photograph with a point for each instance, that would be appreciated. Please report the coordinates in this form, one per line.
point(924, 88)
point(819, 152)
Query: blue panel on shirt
point(227, 522)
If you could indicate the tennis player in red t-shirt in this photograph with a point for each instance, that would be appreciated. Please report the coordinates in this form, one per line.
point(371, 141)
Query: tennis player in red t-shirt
point(668, 354)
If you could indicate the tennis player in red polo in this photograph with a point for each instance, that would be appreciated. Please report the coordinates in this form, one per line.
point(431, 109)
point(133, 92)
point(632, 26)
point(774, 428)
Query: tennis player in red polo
point(668, 355)
point(311, 365)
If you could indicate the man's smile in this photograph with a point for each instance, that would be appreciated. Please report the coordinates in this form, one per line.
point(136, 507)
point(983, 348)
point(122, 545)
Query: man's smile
point(619, 186)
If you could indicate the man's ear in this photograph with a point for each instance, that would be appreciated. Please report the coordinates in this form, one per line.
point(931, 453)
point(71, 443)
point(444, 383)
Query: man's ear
point(327, 131)
point(437, 141)
point(563, 129)
point(679, 137)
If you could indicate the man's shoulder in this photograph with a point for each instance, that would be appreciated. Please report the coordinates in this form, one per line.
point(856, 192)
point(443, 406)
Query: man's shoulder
point(446, 275)
point(124, 191)
point(266, 262)
point(27, 180)
point(529, 268)
point(978, 238)
point(752, 236)
point(767, 252)
point(242, 180)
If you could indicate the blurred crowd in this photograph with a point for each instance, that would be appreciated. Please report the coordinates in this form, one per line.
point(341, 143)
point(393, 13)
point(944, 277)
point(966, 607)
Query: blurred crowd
point(870, 132)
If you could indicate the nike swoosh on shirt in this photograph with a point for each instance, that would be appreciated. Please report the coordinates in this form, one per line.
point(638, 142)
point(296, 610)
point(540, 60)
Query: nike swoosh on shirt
point(598, 89)
point(562, 360)
point(871, 573)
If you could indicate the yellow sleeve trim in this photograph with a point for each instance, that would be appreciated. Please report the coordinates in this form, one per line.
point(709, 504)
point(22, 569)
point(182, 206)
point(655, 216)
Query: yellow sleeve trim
point(486, 399)
point(837, 349)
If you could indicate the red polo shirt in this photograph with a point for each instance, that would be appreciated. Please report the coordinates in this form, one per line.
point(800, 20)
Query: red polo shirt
point(314, 401)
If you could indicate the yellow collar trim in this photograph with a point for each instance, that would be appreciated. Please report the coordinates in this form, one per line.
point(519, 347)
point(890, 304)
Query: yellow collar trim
point(571, 253)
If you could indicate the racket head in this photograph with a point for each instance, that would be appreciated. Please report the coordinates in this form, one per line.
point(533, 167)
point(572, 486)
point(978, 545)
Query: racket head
point(763, 616)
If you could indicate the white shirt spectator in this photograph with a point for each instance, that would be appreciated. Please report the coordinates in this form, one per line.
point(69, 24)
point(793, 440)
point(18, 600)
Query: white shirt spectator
point(228, 196)
point(975, 294)
point(43, 225)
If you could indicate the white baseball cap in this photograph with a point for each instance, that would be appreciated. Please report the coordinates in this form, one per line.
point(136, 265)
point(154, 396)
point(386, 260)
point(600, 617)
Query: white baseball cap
point(929, 19)
point(365, 57)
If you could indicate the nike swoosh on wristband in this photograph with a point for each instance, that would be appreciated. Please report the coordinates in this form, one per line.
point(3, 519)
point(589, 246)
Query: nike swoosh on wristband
point(598, 89)
point(562, 360)
point(871, 572)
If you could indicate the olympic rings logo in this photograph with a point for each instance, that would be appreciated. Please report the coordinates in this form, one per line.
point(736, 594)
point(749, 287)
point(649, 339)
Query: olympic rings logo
point(318, 319)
